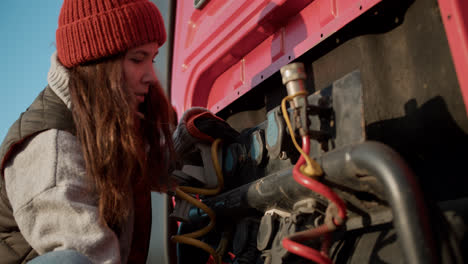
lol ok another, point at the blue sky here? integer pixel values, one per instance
(27, 30)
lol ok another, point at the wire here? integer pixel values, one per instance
(312, 169)
(182, 193)
(305, 251)
(223, 243)
(291, 243)
(197, 243)
(317, 186)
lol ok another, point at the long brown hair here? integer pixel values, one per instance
(120, 150)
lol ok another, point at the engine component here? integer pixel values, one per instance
(306, 206)
(286, 228)
(294, 79)
(257, 147)
(275, 225)
(305, 172)
(234, 156)
(266, 231)
(340, 166)
(364, 185)
(274, 133)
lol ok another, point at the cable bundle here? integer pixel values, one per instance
(304, 172)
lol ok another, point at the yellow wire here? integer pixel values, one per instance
(223, 245)
(312, 169)
(182, 191)
(182, 195)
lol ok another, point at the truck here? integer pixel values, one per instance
(377, 90)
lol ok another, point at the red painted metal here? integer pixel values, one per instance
(455, 18)
(227, 48)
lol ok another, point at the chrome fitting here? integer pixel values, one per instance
(293, 77)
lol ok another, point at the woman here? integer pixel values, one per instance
(78, 166)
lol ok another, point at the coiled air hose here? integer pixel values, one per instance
(183, 192)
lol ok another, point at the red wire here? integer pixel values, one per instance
(315, 185)
(305, 251)
(289, 243)
(310, 234)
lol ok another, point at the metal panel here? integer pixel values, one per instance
(227, 48)
(455, 18)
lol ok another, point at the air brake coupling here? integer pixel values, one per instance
(294, 76)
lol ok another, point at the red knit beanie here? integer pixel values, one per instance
(94, 29)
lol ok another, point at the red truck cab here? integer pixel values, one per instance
(386, 113)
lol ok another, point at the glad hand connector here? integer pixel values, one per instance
(294, 77)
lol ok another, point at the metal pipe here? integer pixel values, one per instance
(401, 191)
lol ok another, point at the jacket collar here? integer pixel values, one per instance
(57, 78)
